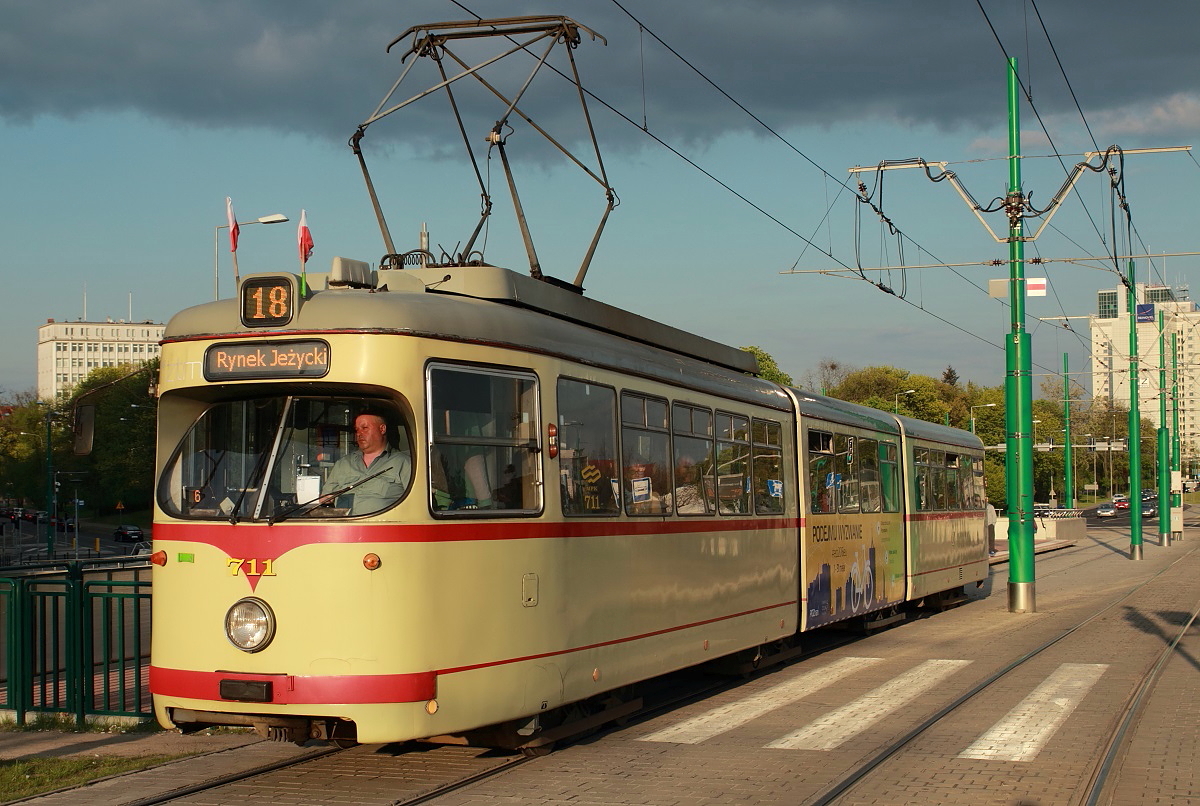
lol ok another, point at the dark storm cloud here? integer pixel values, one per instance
(317, 68)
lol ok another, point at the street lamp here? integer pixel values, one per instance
(896, 405)
(980, 406)
(274, 218)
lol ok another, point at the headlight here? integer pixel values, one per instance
(250, 625)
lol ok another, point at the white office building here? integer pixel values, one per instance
(1110, 355)
(68, 351)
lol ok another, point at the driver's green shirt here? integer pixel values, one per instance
(378, 493)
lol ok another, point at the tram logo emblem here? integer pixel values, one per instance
(590, 474)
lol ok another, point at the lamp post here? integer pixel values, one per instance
(980, 406)
(896, 404)
(274, 218)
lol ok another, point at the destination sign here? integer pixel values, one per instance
(306, 358)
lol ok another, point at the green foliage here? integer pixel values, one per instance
(768, 369)
(121, 467)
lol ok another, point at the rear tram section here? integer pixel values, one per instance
(579, 499)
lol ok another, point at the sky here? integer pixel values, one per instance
(727, 130)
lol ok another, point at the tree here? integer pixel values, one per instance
(949, 376)
(120, 468)
(768, 370)
(829, 374)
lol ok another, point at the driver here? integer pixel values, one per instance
(378, 473)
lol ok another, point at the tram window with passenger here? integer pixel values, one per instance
(645, 454)
(483, 441)
(271, 457)
(587, 438)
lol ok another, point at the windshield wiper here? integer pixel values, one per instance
(255, 473)
(310, 505)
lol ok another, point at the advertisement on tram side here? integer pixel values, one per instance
(854, 564)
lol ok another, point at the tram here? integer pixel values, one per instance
(440, 499)
(592, 499)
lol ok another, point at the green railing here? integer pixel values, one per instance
(76, 641)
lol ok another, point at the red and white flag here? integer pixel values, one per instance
(304, 237)
(234, 231)
(1035, 286)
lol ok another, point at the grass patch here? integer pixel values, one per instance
(34, 776)
(66, 723)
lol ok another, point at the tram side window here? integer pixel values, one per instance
(692, 443)
(978, 492)
(587, 438)
(953, 485)
(645, 454)
(937, 487)
(483, 426)
(923, 480)
(889, 477)
(821, 479)
(847, 473)
(867, 457)
(966, 483)
(767, 444)
(733, 464)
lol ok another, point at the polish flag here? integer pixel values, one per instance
(234, 231)
(305, 238)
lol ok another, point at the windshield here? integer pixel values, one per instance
(289, 457)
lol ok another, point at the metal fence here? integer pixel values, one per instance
(76, 639)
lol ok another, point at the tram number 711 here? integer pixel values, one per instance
(252, 567)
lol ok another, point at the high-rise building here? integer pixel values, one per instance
(68, 351)
(1110, 355)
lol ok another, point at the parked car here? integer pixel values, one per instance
(1106, 511)
(128, 533)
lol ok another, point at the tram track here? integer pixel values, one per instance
(1117, 742)
(175, 795)
(432, 771)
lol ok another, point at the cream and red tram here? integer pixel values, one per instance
(593, 499)
(545, 549)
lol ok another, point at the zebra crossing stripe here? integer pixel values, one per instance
(842, 724)
(1022, 733)
(727, 717)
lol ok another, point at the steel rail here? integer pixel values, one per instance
(832, 793)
